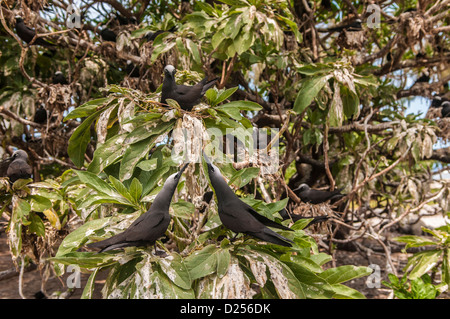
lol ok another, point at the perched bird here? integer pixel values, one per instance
(317, 219)
(121, 20)
(148, 227)
(40, 116)
(132, 70)
(108, 35)
(315, 196)
(151, 36)
(18, 167)
(239, 216)
(438, 100)
(186, 96)
(27, 34)
(59, 78)
(445, 109)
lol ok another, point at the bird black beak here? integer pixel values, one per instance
(208, 162)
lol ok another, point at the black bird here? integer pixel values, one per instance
(121, 20)
(206, 199)
(108, 35)
(241, 217)
(317, 219)
(27, 34)
(315, 196)
(40, 116)
(132, 70)
(151, 36)
(355, 25)
(186, 96)
(59, 78)
(148, 227)
(18, 167)
(445, 109)
(424, 78)
(437, 101)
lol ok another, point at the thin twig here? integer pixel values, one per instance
(326, 147)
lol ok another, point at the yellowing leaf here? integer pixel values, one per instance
(53, 218)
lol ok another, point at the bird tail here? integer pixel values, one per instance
(270, 236)
(316, 220)
(208, 84)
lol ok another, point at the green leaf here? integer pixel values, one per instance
(78, 237)
(344, 292)
(88, 290)
(202, 263)
(244, 41)
(37, 225)
(107, 153)
(313, 69)
(182, 209)
(446, 266)
(344, 273)
(223, 95)
(80, 139)
(241, 105)
(119, 187)
(309, 90)
(133, 154)
(423, 262)
(217, 39)
(86, 259)
(350, 102)
(176, 270)
(414, 241)
(223, 262)
(21, 208)
(336, 113)
(293, 26)
(96, 183)
(160, 47)
(136, 190)
(243, 176)
(40, 203)
(86, 109)
(193, 49)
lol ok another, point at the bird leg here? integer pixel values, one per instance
(234, 238)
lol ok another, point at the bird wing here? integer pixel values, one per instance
(264, 220)
(4, 164)
(28, 28)
(19, 168)
(186, 89)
